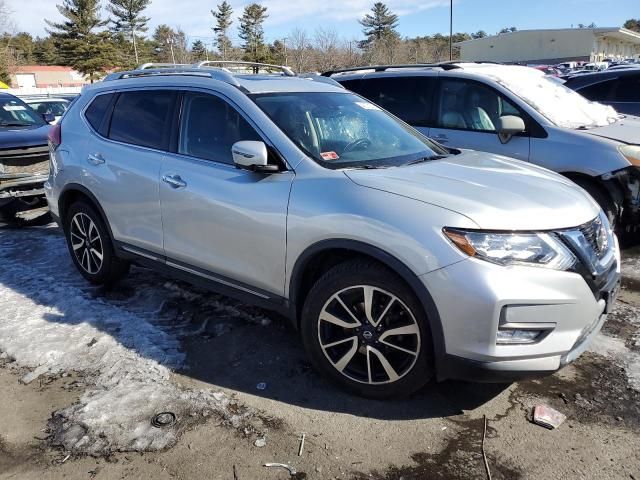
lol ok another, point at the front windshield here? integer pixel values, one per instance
(561, 105)
(15, 113)
(342, 130)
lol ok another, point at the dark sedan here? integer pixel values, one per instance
(619, 88)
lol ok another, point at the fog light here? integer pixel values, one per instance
(510, 336)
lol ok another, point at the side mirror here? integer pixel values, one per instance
(508, 126)
(252, 155)
(49, 117)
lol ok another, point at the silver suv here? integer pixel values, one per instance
(397, 259)
(518, 112)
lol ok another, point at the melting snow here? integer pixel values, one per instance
(53, 322)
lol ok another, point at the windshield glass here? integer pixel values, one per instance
(53, 108)
(15, 113)
(342, 130)
(561, 105)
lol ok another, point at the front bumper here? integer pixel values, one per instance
(472, 297)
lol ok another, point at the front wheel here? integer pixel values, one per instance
(365, 329)
(90, 246)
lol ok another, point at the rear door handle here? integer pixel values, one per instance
(174, 181)
(95, 159)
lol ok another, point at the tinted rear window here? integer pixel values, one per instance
(598, 92)
(143, 118)
(95, 112)
(628, 89)
(409, 98)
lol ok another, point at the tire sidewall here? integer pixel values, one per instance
(104, 274)
(340, 278)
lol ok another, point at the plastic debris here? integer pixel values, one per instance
(260, 442)
(301, 445)
(292, 471)
(261, 386)
(547, 417)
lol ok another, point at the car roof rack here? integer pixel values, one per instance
(382, 68)
(286, 71)
(214, 73)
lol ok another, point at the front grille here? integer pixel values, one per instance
(31, 160)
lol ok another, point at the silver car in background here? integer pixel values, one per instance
(397, 259)
(520, 113)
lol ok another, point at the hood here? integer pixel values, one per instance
(16, 137)
(495, 192)
(626, 130)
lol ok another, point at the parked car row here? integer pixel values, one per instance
(398, 258)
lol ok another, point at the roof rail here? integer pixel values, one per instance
(146, 66)
(382, 68)
(316, 77)
(215, 73)
(255, 65)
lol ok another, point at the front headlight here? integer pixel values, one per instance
(530, 249)
(631, 153)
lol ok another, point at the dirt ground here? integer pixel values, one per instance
(273, 397)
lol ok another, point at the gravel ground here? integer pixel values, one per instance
(83, 370)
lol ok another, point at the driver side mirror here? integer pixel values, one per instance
(508, 126)
(49, 117)
(252, 155)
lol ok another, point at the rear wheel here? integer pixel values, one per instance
(365, 329)
(90, 246)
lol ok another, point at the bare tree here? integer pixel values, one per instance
(300, 50)
(326, 42)
(8, 55)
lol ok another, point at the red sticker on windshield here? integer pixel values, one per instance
(329, 156)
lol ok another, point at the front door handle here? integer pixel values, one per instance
(95, 159)
(174, 181)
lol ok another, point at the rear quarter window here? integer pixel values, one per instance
(96, 110)
(143, 118)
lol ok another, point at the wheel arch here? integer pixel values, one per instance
(321, 256)
(74, 192)
(607, 187)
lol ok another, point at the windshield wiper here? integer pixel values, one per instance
(427, 159)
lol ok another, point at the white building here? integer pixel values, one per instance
(553, 46)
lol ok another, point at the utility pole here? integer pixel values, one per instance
(173, 56)
(451, 30)
(284, 43)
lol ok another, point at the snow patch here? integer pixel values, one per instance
(52, 322)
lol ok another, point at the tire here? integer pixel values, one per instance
(603, 199)
(87, 239)
(353, 356)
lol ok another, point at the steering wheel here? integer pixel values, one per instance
(359, 144)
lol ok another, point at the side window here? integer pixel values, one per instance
(210, 126)
(598, 92)
(96, 110)
(628, 89)
(143, 118)
(408, 98)
(472, 106)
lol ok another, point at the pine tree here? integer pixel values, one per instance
(79, 44)
(223, 23)
(632, 24)
(252, 32)
(128, 20)
(198, 50)
(378, 25)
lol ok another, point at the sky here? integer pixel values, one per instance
(416, 17)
